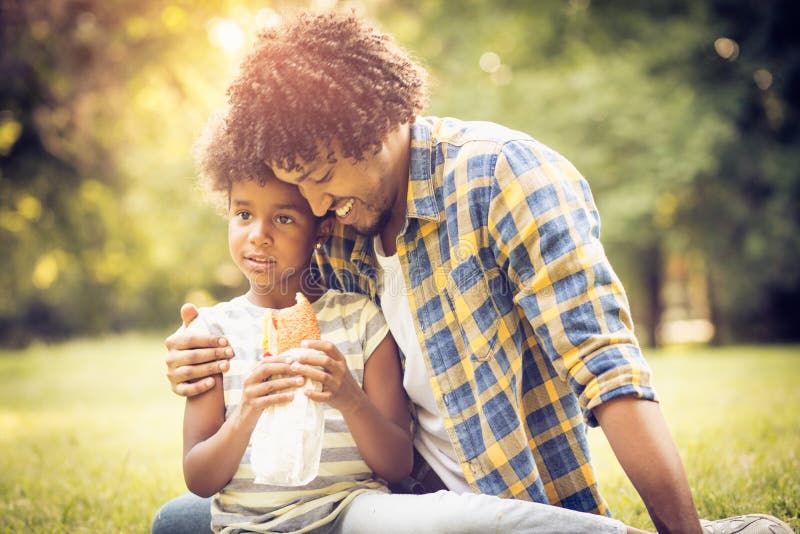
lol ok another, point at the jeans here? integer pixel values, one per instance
(443, 512)
(447, 512)
(187, 514)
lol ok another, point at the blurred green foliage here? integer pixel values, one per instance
(681, 114)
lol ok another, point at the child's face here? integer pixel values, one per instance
(271, 236)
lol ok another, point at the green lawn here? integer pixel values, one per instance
(90, 434)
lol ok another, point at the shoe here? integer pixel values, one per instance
(746, 524)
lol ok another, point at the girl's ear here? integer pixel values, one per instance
(324, 230)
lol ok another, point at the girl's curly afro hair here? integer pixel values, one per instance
(217, 164)
(317, 80)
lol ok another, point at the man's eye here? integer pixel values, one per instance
(284, 219)
(326, 178)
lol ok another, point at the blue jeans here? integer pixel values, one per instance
(442, 512)
(187, 514)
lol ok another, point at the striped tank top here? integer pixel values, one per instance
(355, 325)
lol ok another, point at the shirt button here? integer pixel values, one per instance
(440, 279)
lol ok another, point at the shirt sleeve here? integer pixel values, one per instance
(546, 234)
(373, 327)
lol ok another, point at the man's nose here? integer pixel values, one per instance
(319, 201)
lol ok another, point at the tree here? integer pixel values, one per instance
(746, 216)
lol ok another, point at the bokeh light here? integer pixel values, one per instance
(266, 18)
(226, 34)
(727, 48)
(489, 62)
(763, 79)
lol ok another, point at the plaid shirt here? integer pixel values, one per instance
(523, 324)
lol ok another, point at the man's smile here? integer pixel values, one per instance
(343, 208)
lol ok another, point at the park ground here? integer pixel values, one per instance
(90, 434)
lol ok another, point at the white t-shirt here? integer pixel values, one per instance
(431, 439)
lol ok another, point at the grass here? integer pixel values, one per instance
(90, 434)
(735, 415)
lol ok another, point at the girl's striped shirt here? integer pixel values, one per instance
(355, 325)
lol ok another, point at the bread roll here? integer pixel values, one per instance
(285, 329)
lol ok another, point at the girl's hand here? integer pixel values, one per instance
(258, 391)
(326, 365)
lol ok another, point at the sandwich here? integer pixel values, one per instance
(286, 443)
(285, 329)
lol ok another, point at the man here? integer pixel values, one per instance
(482, 248)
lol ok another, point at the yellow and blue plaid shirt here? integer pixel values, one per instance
(523, 324)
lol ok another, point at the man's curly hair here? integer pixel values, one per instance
(313, 82)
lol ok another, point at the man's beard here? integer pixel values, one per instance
(376, 227)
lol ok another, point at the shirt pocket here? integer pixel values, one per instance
(476, 315)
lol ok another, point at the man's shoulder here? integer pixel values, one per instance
(457, 132)
(458, 140)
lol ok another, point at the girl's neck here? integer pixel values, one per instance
(282, 295)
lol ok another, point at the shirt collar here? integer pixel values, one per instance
(422, 200)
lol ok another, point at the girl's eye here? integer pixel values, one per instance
(244, 215)
(284, 219)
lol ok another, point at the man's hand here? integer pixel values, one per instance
(193, 360)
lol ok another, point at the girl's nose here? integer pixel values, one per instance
(260, 234)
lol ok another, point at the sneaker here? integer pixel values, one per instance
(746, 524)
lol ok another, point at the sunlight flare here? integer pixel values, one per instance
(226, 34)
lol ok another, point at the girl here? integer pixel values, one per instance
(272, 235)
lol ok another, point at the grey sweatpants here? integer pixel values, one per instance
(447, 512)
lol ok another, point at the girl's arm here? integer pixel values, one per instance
(213, 446)
(377, 415)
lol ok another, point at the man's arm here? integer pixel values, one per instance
(546, 228)
(642, 442)
(193, 360)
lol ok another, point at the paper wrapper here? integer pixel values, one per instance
(286, 445)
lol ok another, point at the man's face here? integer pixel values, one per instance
(361, 193)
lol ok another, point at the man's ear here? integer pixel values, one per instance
(324, 229)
